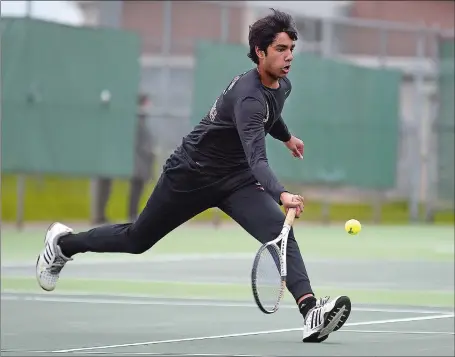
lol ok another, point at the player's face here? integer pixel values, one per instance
(277, 63)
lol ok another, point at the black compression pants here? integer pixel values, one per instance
(183, 192)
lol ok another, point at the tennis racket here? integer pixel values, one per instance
(268, 275)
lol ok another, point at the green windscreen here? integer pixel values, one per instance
(53, 120)
(347, 116)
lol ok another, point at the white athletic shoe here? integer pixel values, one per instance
(326, 317)
(51, 260)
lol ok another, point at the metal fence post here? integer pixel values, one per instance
(327, 52)
(384, 36)
(327, 38)
(378, 195)
(224, 23)
(416, 164)
(431, 182)
(1, 133)
(22, 178)
(166, 52)
(224, 36)
(20, 209)
(110, 15)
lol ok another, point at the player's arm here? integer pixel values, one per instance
(280, 131)
(249, 114)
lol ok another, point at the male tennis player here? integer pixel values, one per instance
(222, 163)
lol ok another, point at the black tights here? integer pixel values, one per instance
(175, 200)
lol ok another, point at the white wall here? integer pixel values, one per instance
(318, 9)
(66, 12)
(308, 8)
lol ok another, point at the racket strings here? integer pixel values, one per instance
(268, 277)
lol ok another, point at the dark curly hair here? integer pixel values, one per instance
(263, 32)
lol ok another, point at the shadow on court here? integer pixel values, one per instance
(43, 324)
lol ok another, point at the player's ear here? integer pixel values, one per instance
(259, 53)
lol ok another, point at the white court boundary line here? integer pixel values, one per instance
(142, 354)
(214, 337)
(138, 300)
(402, 332)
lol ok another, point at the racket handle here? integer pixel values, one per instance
(290, 217)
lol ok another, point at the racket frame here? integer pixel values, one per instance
(283, 237)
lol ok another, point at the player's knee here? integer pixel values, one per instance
(137, 242)
(136, 245)
(138, 248)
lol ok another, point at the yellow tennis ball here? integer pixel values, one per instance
(353, 226)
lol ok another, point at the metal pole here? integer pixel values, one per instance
(1, 111)
(431, 183)
(110, 15)
(28, 9)
(414, 197)
(327, 37)
(224, 22)
(21, 178)
(378, 195)
(20, 201)
(383, 47)
(224, 36)
(432, 161)
(166, 52)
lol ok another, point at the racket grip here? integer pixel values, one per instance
(290, 217)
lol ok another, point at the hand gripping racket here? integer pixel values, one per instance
(268, 276)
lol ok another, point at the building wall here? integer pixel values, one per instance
(190, 21)
(396, 42)
(430, 13)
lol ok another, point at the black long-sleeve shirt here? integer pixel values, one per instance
(232, 135)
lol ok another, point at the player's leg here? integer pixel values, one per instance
(260, 216)
(165, 210)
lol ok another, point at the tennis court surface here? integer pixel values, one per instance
(191, 296)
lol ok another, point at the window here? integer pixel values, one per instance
(171, 90)
(181, 89)
(151, 84)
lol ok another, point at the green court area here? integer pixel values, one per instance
(381, 265)
(234, 292)
(400, 281)
(419, 242)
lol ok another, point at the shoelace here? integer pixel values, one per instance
(319, 304)
(322, 301)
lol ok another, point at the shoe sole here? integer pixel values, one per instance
(334, 320)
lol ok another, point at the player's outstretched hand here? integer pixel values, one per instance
(292, 201)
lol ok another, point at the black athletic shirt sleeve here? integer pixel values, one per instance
(249, 114)
(280, 131)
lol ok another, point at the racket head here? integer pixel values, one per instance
(267, 282)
